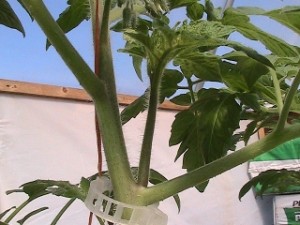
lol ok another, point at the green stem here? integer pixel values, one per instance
(190, 84)
(269, 110)
(17, 210)
(101, 90)
(145, 158)
(110, 123)
(62, 45)
(287, 103)
(169, 188)
(62, 211)
(183, 87)
(106, 68)
(277, 89)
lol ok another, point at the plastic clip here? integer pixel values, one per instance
(111, 210)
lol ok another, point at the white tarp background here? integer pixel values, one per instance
(43, 138)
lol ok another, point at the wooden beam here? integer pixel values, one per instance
(51, 91)
(261, 133)
(43, 90)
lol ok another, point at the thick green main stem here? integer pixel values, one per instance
(114, 143)
(169, 188)
(101, 90)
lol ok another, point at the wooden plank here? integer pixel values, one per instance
(261, 133)
(43, 90)
(51, 91)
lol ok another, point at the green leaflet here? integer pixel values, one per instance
(250, 53)
(183, 120)
(138, 54)
(264, 85)
(161, 41)
(243, 73)
(137, 64)
(287, 68)
(207, 29)
(73, 15)
(39, 188)
(159, 47)
(136, 107)
(43, 187)
(242, 24)
(205, 131)
(9, 18)
(288, 16)
(251, 128)
(219, 114)
(191, 161)
(179, 3)
(182, 99)
(202, 65)
(140, 45)
(208, 35)
(182, 44)
(138, 38)
(195, 11)
(169, 84)
(266, 92)
(250, 100)
(212, 13)
(80, 10)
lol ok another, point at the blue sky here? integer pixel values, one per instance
(25, 59)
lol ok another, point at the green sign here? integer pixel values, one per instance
(292, 215)
(285, 156)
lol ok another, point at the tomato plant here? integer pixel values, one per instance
(263, 89)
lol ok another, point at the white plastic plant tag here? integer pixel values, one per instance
(111, 210)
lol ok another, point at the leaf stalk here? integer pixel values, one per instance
(277, 89)
(169, 188)
(17, 210)
(145, 157)
(62, 211)
(287, 103)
